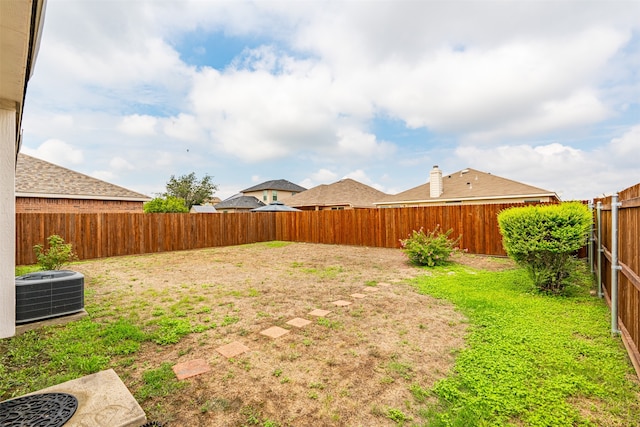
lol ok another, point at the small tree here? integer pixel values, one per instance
(542, 239)
(190, 189)
(57, 255)
(165, 205)
(431, 248)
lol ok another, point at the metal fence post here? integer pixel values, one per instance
(590, 239)
(614, 264)
(599, 249)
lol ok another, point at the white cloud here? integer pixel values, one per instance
(362, 177)
(627, 148)
(138, 125)
(57, 152)
(324, 176)
(103, 175)
(163, 159)
(183, 127)
(353, 141)
(118, 163)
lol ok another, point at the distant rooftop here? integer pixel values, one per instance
(239, 202)
(276, 184)
(38, 178)
(346, 192)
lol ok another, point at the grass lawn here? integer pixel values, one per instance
(467, 344)
(531, 359)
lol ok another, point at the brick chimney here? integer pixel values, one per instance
(435, 182)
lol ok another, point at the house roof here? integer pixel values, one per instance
(239, 202)
(346, 192)
(37, 178)
(202, 209)
(276, 184)
(469, 184)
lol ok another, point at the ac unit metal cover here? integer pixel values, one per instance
(47, 294)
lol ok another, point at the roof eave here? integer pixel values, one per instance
(82, 197)
(456, 199)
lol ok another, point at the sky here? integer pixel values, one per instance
(542, 92)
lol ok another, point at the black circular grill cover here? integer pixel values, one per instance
(38, 410)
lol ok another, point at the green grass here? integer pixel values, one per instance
(38, 359)
(25, 269)
(530, 359)
(159, 382)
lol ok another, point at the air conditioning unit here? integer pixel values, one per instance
(46, 294)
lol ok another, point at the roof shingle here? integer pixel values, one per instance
(276, 184)
(239, 202)
(38, 178)
(346, 192)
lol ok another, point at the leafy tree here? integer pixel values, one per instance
(167, 204)
(190, 189)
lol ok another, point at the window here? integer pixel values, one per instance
(264, 195)
(337, 208)
(274, 196)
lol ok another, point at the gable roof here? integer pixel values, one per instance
(469, 184)
(346, 192)
(38, 178)
(239, 202)
(276, 184)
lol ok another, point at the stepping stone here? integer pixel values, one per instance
(232, 349)
(298, 322)
(191, 368)
(358, 296)
(370, 289)
(384, 284)
(319, 313)
(274, 332)
(341, 303)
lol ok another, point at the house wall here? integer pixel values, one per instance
(471, 202)
(43, 204)
(282, 196)
(7, 221)
(328, 208)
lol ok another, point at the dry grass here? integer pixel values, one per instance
(347, 370)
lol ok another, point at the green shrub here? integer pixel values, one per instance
(56, 255)
(169, 204)
(543, 239)
(431, 248)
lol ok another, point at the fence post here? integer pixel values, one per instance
(614, 264)
(590, 239)
(599, 249)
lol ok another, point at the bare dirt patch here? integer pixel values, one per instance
(349, 368)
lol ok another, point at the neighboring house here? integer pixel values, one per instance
(44, 187)
(238, 203)
(344, 194)
(202, 209)
(468, 186)
(279, 190)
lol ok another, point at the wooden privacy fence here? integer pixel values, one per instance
(621, 270)
(98, 235)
